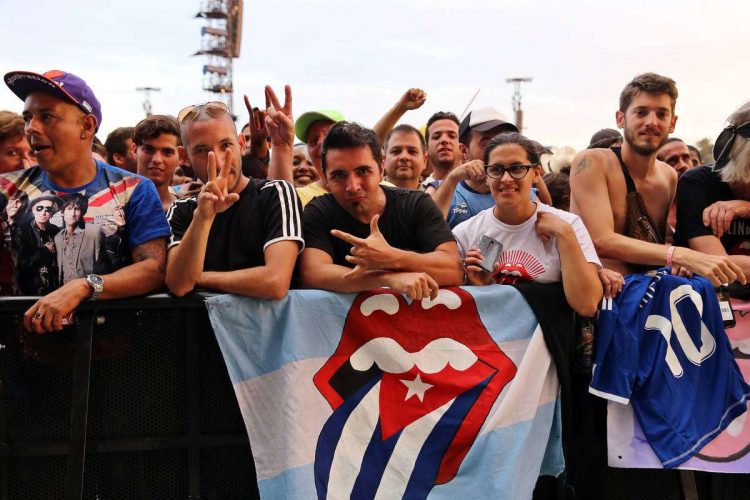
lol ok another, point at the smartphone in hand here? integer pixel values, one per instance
(490, 249)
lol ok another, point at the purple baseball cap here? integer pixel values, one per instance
(64, 85)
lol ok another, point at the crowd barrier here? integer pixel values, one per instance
(132, 401)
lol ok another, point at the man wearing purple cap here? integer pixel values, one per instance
(61, 115)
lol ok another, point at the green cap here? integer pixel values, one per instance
(305, 121)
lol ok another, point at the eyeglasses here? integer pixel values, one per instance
(495, 171)
(213, 108)
(725, 141)
(49, 210)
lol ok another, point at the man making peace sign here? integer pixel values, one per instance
(238, 235)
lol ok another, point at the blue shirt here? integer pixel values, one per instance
(122, 206)
(661, 345)
(467, 203)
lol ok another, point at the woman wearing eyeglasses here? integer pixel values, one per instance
(539, 243)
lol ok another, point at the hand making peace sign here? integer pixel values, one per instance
(215, 197)
(279, 121)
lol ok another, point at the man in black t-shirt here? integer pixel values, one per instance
(238, 235)
(363, 235)
(713, 203)
(698, 190)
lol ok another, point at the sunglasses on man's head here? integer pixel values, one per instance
(39, 208)
(725, 142)
(213, 108)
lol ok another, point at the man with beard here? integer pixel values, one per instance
(238, 235)
(623, 194)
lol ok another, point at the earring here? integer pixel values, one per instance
(83, 135)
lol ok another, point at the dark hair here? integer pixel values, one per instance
(349, 135)
(512, 138)
(440, 115)
(154, 126)
(605, 138)
(558, 185)
(75, 200)
(674, 139)
(11, 125)
(116, 143)
(406, 129)
(99, 148)
(650, 83)
(696, 151)
(23, 197)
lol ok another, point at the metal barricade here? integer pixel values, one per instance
(132, 401)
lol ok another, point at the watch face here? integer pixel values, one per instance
(95, 280)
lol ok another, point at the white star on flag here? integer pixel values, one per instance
(416, 388)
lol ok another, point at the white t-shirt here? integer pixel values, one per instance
(525, 256)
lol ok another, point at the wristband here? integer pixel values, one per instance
(670, 251)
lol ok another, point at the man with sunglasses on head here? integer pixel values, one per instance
(623, 194)
(238, 235)
(713, 202)
(61, 115)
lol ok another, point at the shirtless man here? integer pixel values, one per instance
(599, 192)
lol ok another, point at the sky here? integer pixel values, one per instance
(359, 57)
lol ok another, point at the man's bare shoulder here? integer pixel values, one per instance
(592, 160)
(666, 172)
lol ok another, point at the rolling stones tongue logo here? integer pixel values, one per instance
(734, 441)
(425, 356)
(518, 266)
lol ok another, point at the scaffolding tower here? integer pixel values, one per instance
(220, 43)
(517, 99)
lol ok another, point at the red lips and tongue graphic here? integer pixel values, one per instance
(413, 326)
(518, 266)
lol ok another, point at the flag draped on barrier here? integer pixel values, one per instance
(375, 396)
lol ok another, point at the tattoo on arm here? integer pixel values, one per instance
(582, 165)
(154, 249)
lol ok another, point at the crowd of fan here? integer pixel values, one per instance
(351, 208)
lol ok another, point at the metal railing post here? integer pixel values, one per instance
(79, 406)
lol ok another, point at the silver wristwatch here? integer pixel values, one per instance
(97, 285)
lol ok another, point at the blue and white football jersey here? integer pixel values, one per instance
(661, 345)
